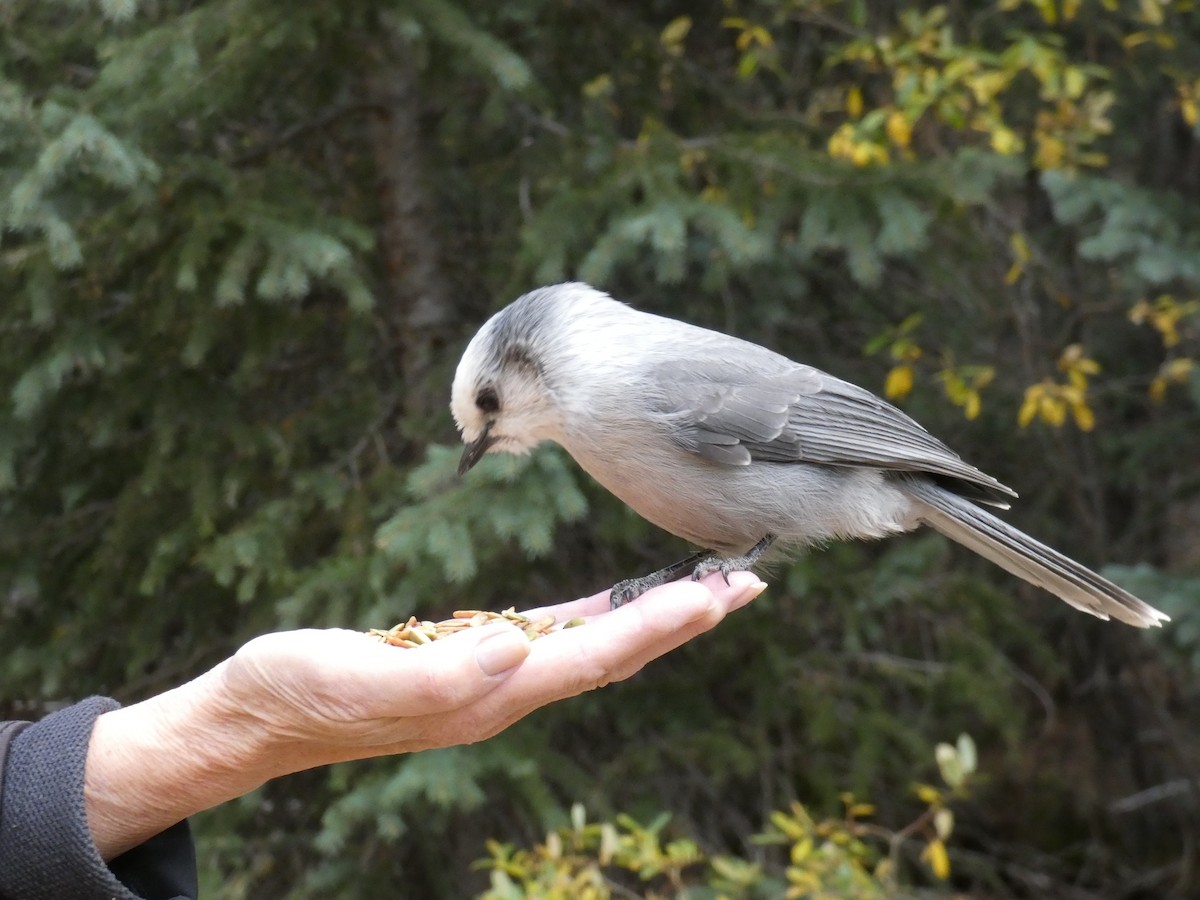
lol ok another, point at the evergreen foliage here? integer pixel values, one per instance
(229, 307)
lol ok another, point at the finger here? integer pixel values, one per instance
(600, 603)
(611, 647)
(453, 672)
(564, 612)
(615, 644)
(741, 589)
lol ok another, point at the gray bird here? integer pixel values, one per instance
(732, 446)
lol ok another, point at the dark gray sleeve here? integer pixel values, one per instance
(46, 849)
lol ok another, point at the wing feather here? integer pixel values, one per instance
(732, 414)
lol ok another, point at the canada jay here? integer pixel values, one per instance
(732, 446)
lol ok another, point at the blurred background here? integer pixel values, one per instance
(244, 242)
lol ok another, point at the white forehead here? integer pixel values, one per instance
(535, 322)
(560, 328)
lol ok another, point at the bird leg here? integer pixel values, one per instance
(632, 588)
(727, 564)
(701, 564)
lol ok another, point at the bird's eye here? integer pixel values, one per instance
(488, 400)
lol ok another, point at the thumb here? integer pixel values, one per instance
(446, 674)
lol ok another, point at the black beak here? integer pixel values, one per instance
(474, 451)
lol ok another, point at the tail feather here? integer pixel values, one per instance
(1018, 553)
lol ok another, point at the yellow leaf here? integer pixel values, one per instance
(1074, 82)
(1165, 323)
(801, 850)
(1158, 389)
(763, 36)
(1020, 247)
(899, 129)
(1178, 370)
(972, 405)
(928, 794)
(899, 383)
(1021, 255)
(1053, 410)
(1005, 141)
(1071, 393)
(956, 388)
(1085, 419)
(865, 154)
(1051, 151)
(854, 102)
(1190, 110)
(600, 86)
(861, 810)
(803, 882)
(1073, 359)
(673, 35)
(841, 142)
(1151, 11)
(939, 860)
(1030, 405)
(986, 85)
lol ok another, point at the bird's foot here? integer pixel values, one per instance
(727, 564)
(701, 564)
(632, 588)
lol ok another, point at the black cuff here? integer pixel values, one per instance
(46, 848)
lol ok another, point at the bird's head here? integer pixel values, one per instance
(504, 396)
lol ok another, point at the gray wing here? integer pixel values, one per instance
(731, 414)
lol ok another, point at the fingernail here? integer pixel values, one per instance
(501, 652)
(751, 591)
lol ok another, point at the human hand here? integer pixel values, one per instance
(327, 696)
(294, 700)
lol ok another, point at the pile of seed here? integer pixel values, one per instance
(416, 632)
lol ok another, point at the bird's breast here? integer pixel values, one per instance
(730, 508)
(673, 489)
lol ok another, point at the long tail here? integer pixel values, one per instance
(1016, 552)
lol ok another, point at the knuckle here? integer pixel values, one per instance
(589, 672)
(438, 687)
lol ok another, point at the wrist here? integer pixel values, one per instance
(157, 762)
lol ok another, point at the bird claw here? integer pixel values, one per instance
(727, 564)
(632, 588)
(724, 565)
